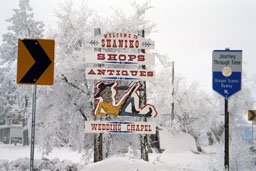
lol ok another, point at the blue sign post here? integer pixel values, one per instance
(226, 80)
(227, 71)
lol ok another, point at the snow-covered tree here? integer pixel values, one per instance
(242, 153)
(65, 105)
(22, 25)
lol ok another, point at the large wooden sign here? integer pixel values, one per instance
(120, 40)
(120, 127)
(120, 58)
(35, 64)
(119, 74)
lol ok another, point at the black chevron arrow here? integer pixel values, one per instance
(42, 61)
(253, 115)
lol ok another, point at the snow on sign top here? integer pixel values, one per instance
(227, 68)
(120, 40)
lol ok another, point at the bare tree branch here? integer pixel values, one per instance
(64, 78)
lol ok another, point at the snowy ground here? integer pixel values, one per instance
(178, 156)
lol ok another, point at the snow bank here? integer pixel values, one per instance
(23, 164)
(177, 142)
(11, 152)
(178, 155)
(126, 164)
(16, 158)
(178, 152)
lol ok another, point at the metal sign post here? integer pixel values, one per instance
(252, 133)
(226, 80)
(35, 66)
(226, 149)
(32, 145)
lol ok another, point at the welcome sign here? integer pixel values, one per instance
(120, 40)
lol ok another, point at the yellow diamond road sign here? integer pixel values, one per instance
(35, 65)
(252, 115)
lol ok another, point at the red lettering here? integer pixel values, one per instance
(135, 36)
(99, 127)
(115, 127)
(133, 127)
(106, 36)
(131, 43)
(131, 57)
(110, 72)
(141, 57)
(128, 127)
(114, 44)
(125, 73)
(94, 126)
(137, 44)
(134, 73)
(103, 127)
(125, 34)
(112, 57)
(103, 43)
(141, 127)
(142, 73)
(110, 127)
(122, 57)
(91, 72)
(150, 73)
(119, 127)
(107, 127)
(149, 128)
(137, 128)
(146, 127)
(101, 56)
(101, 72)
(120, 43)
(108, 43)
(125, 43)
(117, 72)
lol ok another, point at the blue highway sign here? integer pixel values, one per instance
(226, 71)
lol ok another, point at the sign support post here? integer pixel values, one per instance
(32, 145)
(252, 133)
(226, 150)
(144, 138)
(35, 66)
(227, 73)
(98, 138)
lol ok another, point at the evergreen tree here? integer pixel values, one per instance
(22, 26)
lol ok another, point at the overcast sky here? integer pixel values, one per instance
(187, 30)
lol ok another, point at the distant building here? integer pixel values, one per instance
(12, 131)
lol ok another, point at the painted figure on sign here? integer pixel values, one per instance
(125, 106)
